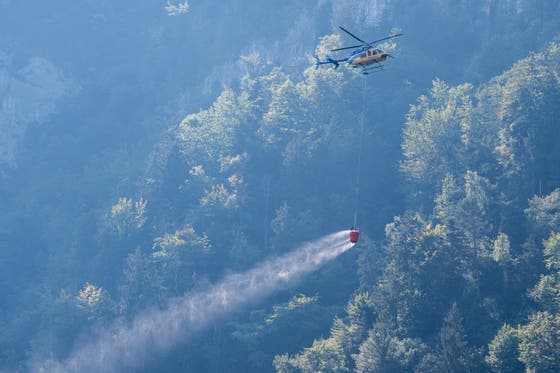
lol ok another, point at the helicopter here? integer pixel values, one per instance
(363, 55)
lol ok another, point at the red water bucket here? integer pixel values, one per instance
(354, 235)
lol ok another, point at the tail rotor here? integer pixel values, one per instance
(318, 62)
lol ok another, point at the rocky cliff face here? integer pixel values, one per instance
(28, 96)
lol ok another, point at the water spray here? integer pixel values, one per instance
(157, 331)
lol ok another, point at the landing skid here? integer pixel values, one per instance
(374, 69)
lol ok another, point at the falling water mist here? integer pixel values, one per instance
(157, 331)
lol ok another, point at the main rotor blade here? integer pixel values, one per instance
(386, 38)
(354, 36)
(341, 49)
(368, 44)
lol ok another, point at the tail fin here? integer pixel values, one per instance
(318, 62)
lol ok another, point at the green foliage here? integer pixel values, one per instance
(95, 302)
(287, 223)
(300, 314)
(482, 152)
(351, 331)
(544, 212)
(503, 351)
(538, 341)
(175, 10)
(210, 134)
(448, 132)
(333, 354)
(539, 347)
(526, 99)
(502, 254)
(360, 314)
(218, 195)
(465, 211)
(446, 202)
(475, 155)
(303, 117)
(383, 351)
(297, 302)
(243, 251)
(174, 256)
(501, 250)
(436, 133)
(127, 216)
(430, 363)
(143, 285)
(420, 265)
(301, 310)
(547, 291)
(454, 351)
(368, 263)
(324, 356)
(90, 295)
(552, 251)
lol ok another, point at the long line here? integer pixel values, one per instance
(360, 145)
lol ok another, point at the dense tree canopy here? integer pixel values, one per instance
(171, 144)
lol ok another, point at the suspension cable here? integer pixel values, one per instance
(361, 119)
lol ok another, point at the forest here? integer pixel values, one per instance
(157, 158)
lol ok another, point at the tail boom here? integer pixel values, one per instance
(328, 60)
